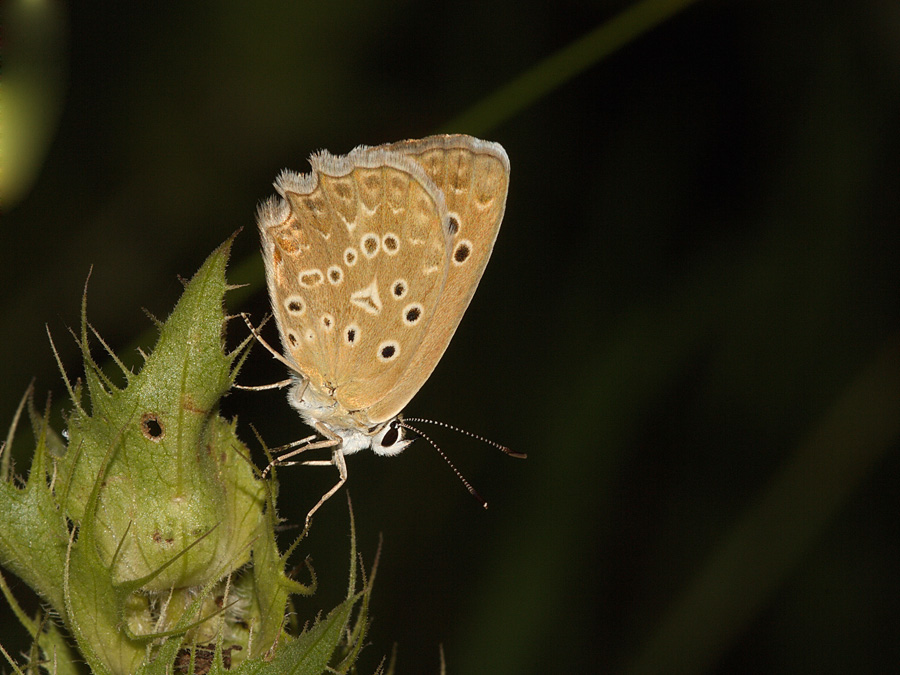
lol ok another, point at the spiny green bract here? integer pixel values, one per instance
(148, 533)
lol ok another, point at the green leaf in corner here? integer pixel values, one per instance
(311, 653)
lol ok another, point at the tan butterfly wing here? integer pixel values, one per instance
(357, 255)
(473, 176)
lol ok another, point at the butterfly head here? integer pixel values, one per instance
(385, 440)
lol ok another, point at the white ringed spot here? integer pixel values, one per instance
(388, 351)
(399, 289)
(352, 335)
(295, 305)
(335, 275)
(412, 313)
(461, 252)
(310, 278)
(369, 244)
(390, 243)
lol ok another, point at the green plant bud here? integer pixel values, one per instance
(174, 474)
(149, 533)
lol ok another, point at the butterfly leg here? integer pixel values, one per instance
(285, 452)
(340, 462)
(331, 440)
(269, 348)
(337, 460)
(264, 387)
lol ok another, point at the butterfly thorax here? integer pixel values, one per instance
(354, 428)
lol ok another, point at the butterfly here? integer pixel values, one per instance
(371, 260)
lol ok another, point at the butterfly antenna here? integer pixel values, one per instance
(459, 475)
(502, 448)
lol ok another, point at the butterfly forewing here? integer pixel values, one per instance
(357, 260)
(473, 177)
(395, 288)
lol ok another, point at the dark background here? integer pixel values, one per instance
(689, 322)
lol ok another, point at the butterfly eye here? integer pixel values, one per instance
(391, 437)
(453, 224)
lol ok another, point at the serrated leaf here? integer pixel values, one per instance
(33, 533)
(310, 653)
